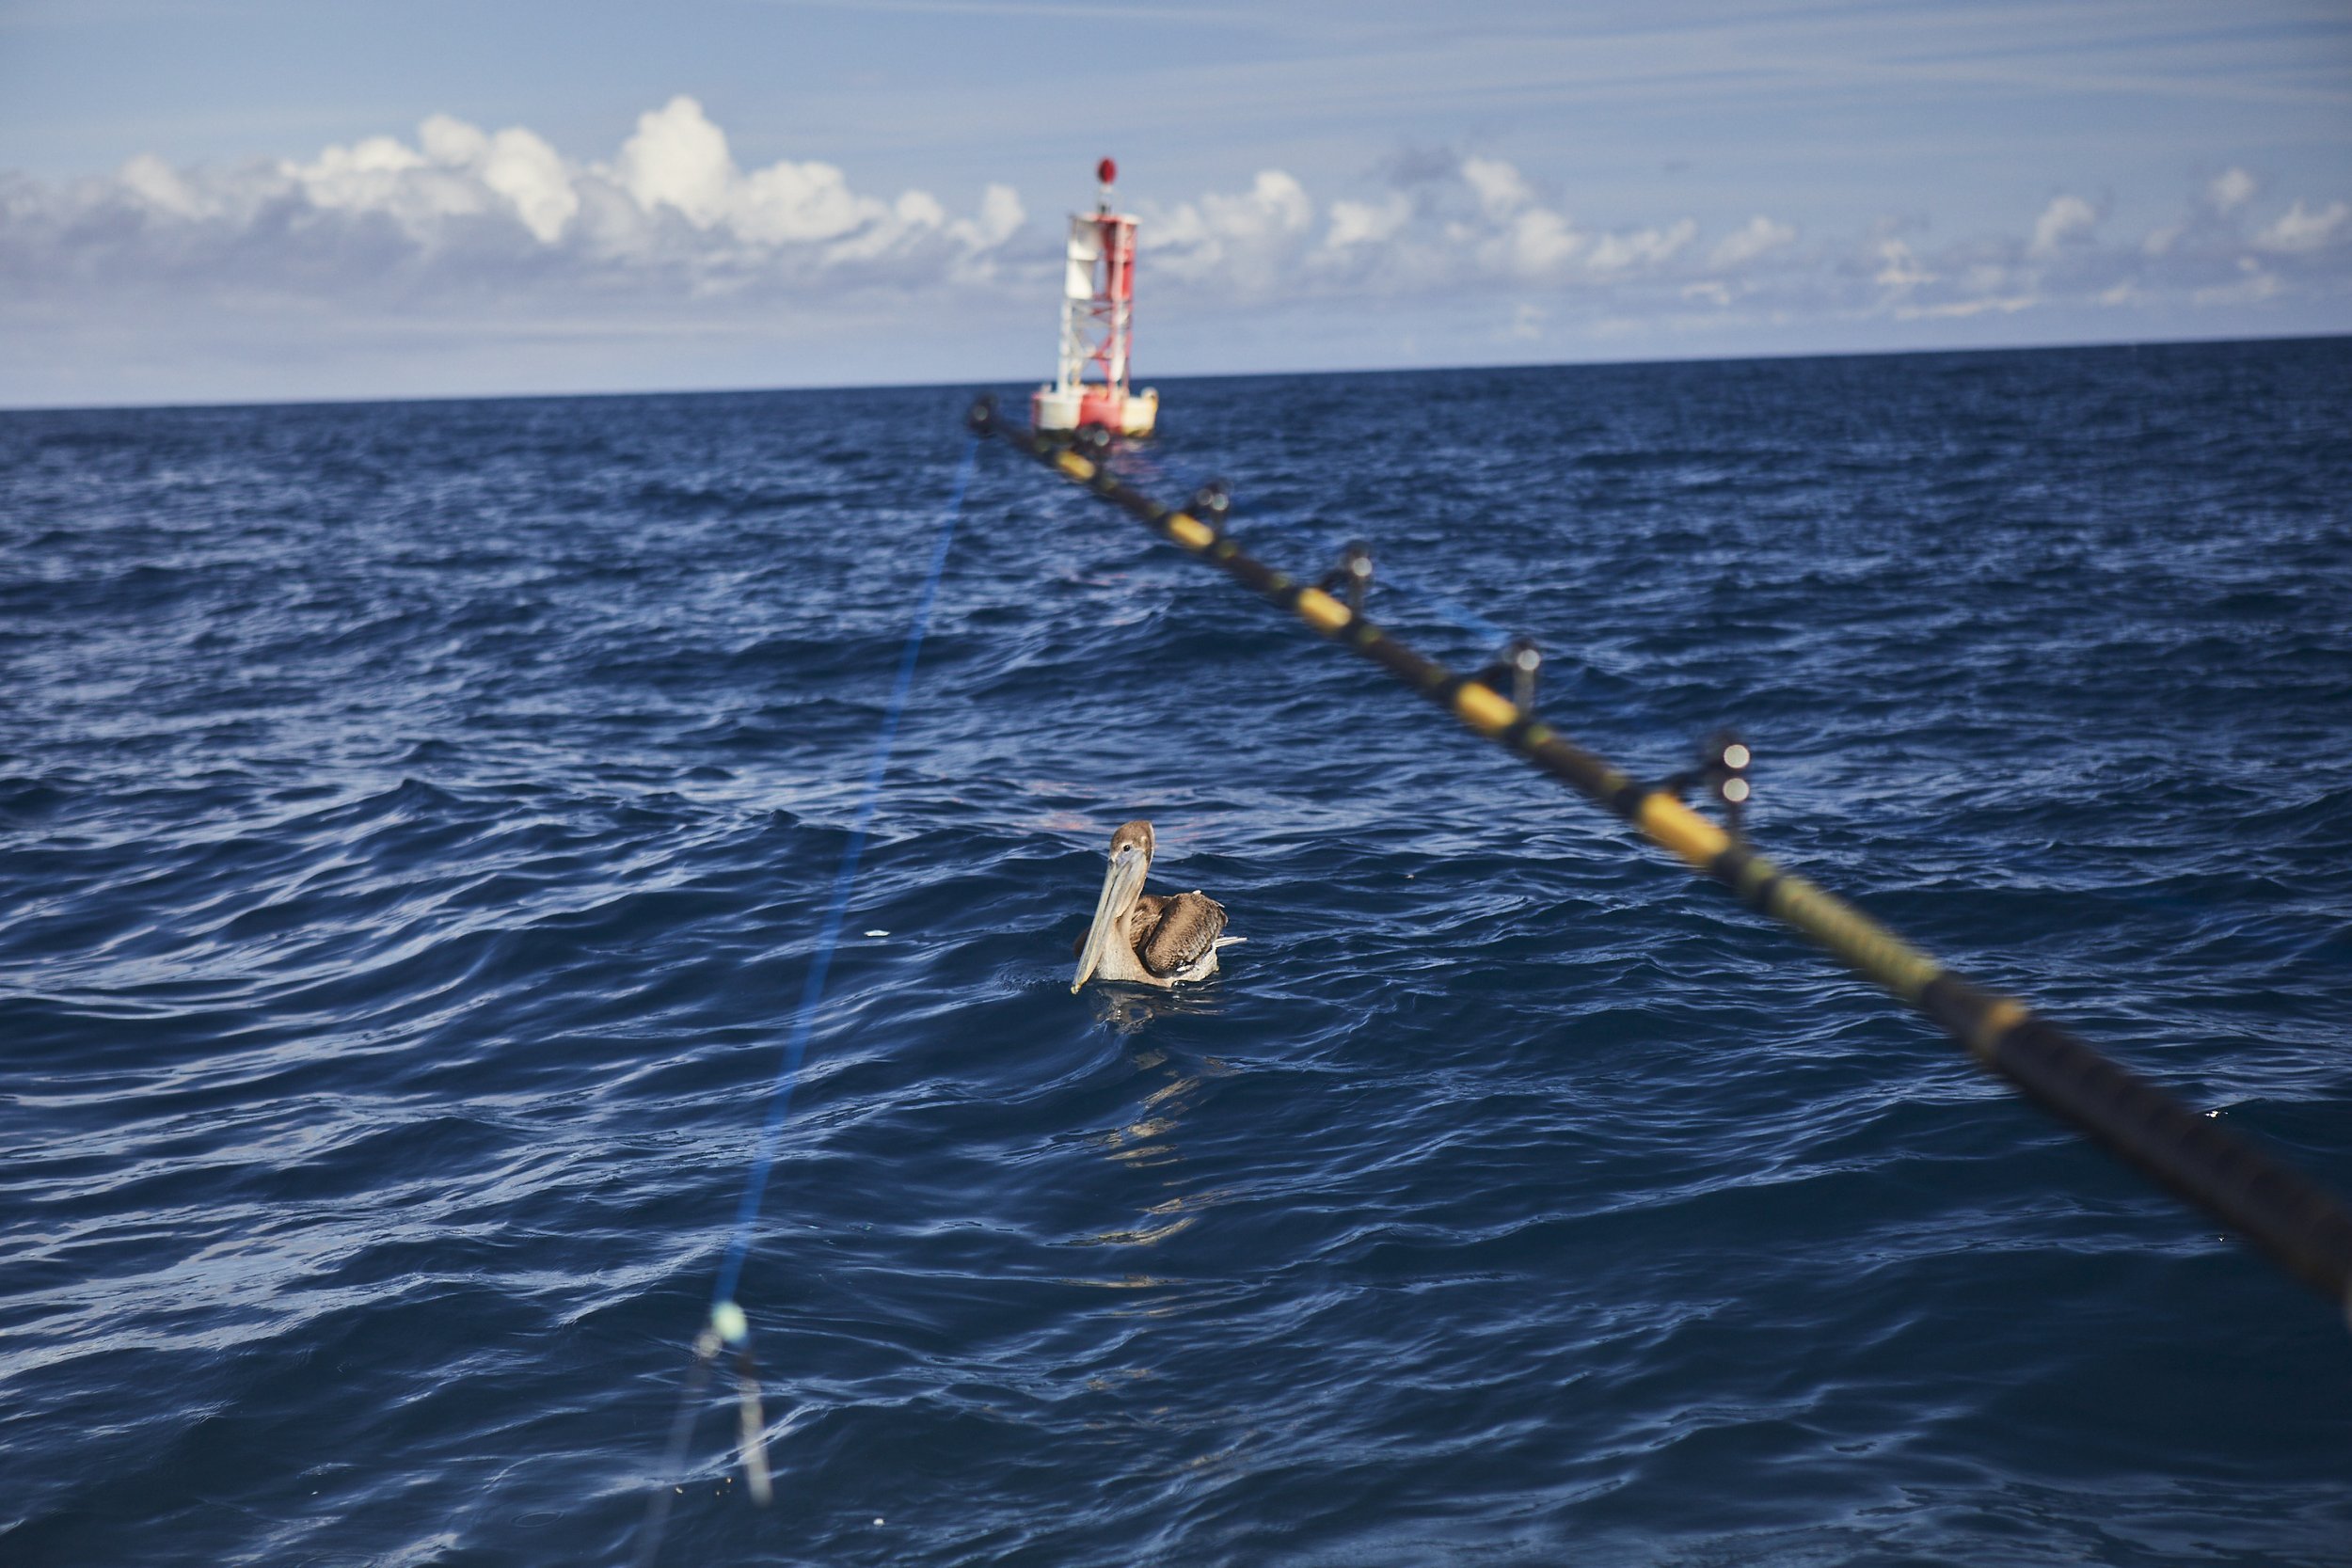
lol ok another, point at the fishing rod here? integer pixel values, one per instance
(2303, 1226)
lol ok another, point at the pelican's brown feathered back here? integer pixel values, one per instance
(1174, 934)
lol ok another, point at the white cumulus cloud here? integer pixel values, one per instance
(1534, 242)
(1501, 189)
(1247, 238)
(1641, 248)
(1900, 267)
(1755, 238)
(2065, 219)
(2230, 190)
(1001, 217)
(1512, 234)
(678, 159)
(158, 185)
(464, 211)
(2300, 228)
(1366, 222)
(1453, 223)
(514, 164)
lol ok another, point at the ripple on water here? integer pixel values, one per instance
(414, 820)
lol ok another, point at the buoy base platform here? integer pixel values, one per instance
(1054, 410)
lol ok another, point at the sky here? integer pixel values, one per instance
(239, 201)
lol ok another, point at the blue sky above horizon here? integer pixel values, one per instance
(233, 199)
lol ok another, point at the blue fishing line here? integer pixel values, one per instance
(728, 1327)
(844, 882)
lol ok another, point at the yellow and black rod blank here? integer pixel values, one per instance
(2304, 1225)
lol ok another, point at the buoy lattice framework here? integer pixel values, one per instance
(1091, 378)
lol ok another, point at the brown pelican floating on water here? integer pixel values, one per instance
(1142, 937)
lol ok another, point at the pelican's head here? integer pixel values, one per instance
(1123, 884)
(1132, 835)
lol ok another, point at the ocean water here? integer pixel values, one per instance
(416, 819)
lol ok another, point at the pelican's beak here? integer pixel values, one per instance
(1121, 885)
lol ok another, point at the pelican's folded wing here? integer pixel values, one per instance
(1187, 930)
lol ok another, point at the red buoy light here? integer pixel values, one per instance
(1106, 171)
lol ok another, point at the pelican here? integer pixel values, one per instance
(1142, 937)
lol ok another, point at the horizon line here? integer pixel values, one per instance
(987, 384)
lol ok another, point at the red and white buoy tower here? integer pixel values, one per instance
(1097, 308)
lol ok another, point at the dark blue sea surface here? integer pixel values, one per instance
(416, 821)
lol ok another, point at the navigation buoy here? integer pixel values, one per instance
(1098, 306)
